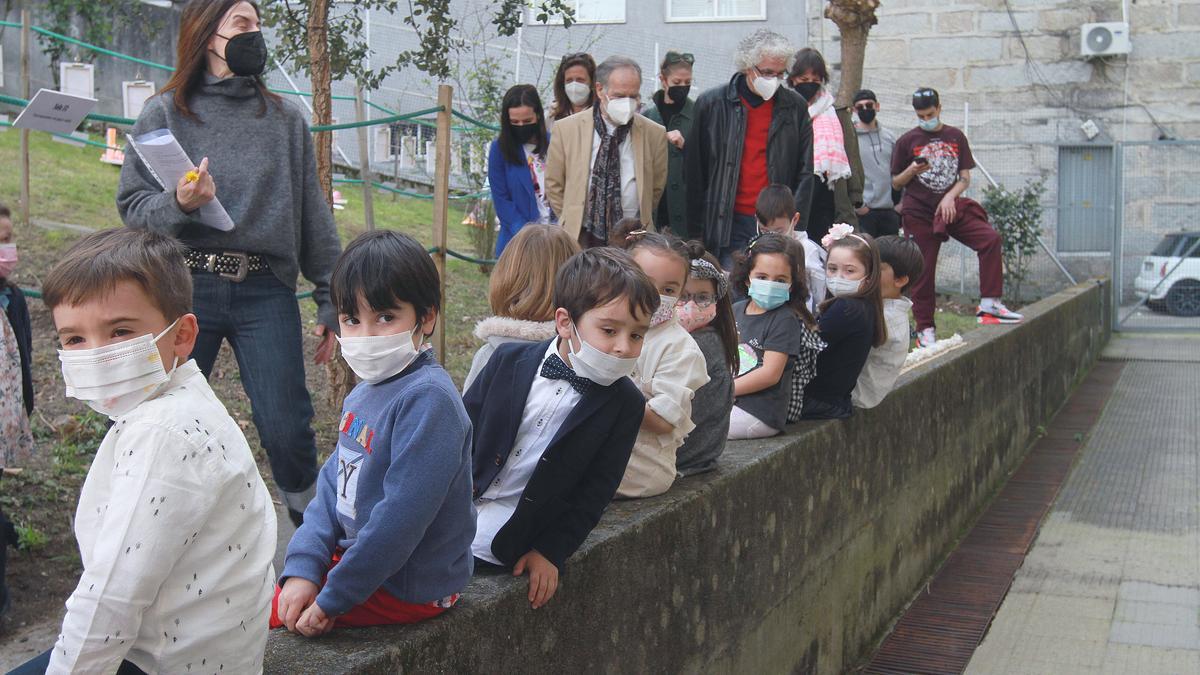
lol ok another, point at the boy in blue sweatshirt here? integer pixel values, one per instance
(555, 421)
(387, 539)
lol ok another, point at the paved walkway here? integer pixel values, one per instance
(1112, 583)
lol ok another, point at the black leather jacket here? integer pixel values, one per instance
(713, 157)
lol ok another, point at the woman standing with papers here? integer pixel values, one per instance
(255, 153)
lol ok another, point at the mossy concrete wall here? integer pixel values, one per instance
(793, 557)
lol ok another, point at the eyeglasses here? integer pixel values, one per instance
(576, 55)
(702, 300)
(677, 57)
(924, 93)
(769, 73)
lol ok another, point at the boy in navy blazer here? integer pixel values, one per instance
(555, 421)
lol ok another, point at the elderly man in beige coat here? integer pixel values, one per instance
(607, 162)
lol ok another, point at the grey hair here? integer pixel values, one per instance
(613, 63)
(762, 44)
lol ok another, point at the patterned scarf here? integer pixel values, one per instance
(604, 194)
(829, 146)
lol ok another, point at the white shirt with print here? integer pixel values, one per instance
(176, 533)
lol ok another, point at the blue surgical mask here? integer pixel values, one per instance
(929, 124)
(769, 294)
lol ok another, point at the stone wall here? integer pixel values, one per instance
(1028, 90)
(793, 556)
(971, 52)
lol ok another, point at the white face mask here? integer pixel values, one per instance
(577, 92)
(116, 378)
(376, 358)
(666, 310)
(839, 286)
(766, 86)
(620, 110)
(597, 366)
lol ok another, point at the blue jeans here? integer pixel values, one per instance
(261, 320)
(744, 229)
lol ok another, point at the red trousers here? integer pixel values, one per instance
(972, 229)
(381, 609)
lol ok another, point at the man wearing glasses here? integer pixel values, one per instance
(747, 134)
(607, 162)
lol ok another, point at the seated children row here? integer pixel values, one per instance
(861, 340)
(392, 536)
(177, 530)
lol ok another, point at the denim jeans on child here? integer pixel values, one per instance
(261, 319)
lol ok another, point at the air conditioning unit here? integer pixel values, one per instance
(1105, 39)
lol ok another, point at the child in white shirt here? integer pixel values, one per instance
(900, 264)
(670, 368)
(176, 529)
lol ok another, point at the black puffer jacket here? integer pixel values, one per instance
(713, 157)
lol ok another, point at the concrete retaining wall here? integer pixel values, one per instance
(792, 557)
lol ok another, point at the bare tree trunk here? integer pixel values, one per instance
(341, 379)
(854, 19)
(322, 83)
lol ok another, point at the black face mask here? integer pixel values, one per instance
(524, 133)
(246, 53)
(679, 93)
(865, 115)
(807, 89)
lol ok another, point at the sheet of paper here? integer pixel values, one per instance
(168, 163)
(54, 111)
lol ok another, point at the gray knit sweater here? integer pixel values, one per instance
(265, 172)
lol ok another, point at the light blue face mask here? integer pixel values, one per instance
(929, 124)
(769, 294)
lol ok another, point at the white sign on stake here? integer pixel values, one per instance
(134, 96)
(78, 79)
(54, 111)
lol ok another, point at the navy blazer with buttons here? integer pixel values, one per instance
(578, 473)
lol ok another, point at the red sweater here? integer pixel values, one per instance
(753, 176)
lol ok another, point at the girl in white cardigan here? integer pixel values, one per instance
(520, 291)
(671, 367)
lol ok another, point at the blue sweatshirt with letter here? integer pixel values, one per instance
(395, 496)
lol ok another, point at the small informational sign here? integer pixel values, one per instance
(54, 111)
(77, 79)
(134, 96)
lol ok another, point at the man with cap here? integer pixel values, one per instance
(877, 216)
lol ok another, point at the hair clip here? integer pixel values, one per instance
(703, 269)
(636, 233)
(837, 232)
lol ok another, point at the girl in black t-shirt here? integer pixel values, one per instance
(850, 323)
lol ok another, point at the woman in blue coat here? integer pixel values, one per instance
(517, 164)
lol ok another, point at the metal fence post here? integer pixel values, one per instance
(1118, 230)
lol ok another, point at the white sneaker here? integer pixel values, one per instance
(926, 338)
(995, 312)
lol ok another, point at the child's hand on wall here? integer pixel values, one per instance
(294, 598)
(543, 577)
(314, 622)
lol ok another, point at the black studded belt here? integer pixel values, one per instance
(232, 265)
